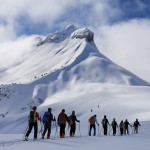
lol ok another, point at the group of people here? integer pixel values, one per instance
(47, 121)
(71, 120)
(123, 126)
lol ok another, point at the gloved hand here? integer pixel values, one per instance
(54, 119)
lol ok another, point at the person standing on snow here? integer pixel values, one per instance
(121, 127)
(92, 121)
(72, 123)
(126, 129)
(47, 120)
(114, 126)
(33, 122)
(105, 122)
(136, 124)
(62, 119)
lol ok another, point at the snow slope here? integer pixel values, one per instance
(65, 70)
(130, 142)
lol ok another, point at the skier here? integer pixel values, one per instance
(92, 121)
(47, 120)
(136, 124)
(114, 126)
(33, 122)
(62, 118)
(72, 123)
(105, 122)
(126, 129)
(121, 127)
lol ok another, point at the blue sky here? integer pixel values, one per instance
(80, 14)
(121, 27)
(83, 13)
(132, 8)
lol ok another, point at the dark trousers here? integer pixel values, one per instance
(31, 125)
(136, 129)
(114, 130)
(121, 131)
(72, 129)
(47, 126)
(105, 129)
(94, 128)
(126, 130)
(62, 129)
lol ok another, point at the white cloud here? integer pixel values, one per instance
(6, 33)
(11, 51)
(38, 11)
(128, 45)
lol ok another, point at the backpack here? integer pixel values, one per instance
(121, 124)
(47, 117)
(136, 124)
(92, 120)
(62, 118)
(32, 116)
(114, 124)
(70, 120)
(104, 122)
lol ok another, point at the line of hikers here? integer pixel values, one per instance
(124, 126)
(71, 120)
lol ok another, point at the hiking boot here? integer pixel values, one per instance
(62, 136)
(26, 138)
(42, 136)
(35, 139)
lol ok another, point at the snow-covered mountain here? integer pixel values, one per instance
(66, 70)
(70, 53)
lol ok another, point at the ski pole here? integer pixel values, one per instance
(89, 128)
(109, 130)
(25, 131)
(139, 130)
(40, 129)
(101, 130)
(118, 131)
(98, 129)
(132, 129)
(56, 133)
(68, 129)
(79, 129)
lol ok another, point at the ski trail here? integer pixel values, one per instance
(52, 140)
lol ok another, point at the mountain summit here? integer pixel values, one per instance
(69, 32)
(70, 53)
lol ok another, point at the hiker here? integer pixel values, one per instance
(47, 120)
(136, 124)
(114, 126)
(121, 127)
(105, 122)
(72, 123)
(62, 118)
(126, 129)
(92, 121)
(33, 122)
